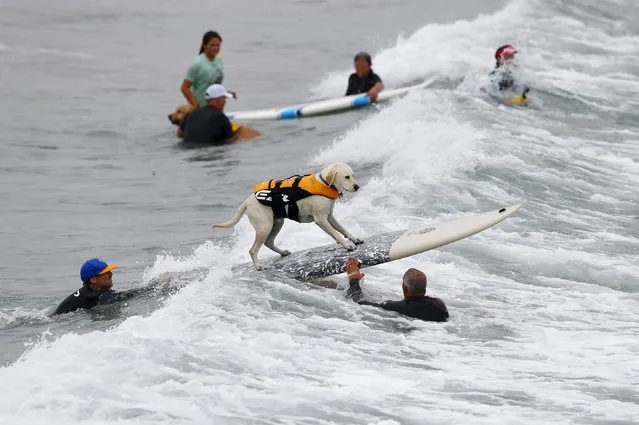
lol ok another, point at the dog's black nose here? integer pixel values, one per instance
(356, 187)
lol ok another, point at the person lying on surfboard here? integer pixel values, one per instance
(415, 303)
(364, 80)
(208, 124)
(503, 76)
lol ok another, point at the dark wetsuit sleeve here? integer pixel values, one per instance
(375, 78)
(443, 310)
(351, 88)
(354, 292)
(227, 128)
(67, 306)
(114, 297)
(82, 298)
(86, 298)
(426, 308)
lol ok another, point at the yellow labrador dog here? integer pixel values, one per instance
(240, 132)
(306, 199)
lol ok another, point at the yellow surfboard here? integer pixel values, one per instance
(517, 101)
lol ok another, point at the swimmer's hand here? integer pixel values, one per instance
(352, 269)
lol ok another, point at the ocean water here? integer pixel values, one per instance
(544, 323)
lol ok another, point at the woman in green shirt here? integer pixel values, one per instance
(206, 69)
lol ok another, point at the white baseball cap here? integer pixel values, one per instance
(216, 90)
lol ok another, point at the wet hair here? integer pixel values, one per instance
(415, 282)
(365, 56)
(207, 37)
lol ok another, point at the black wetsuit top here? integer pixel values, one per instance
(86, 297)
(206, 126)
(430, 309)
(357, 85)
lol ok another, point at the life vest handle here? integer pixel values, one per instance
(296, 183)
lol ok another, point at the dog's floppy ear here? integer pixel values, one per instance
(331, 174)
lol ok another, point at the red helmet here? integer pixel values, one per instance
(505, 52)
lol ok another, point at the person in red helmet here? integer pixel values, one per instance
(504, 54)
(502, 76)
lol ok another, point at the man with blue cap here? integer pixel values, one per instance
(96, 279)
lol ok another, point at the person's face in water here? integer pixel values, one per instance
(362, 68)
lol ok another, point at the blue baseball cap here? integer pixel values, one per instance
(94, 267)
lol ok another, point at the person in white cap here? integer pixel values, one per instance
(208, 124)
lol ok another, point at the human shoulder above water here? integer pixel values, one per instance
(416, 304)
(208, 124)
(364, 80)
(96, 276)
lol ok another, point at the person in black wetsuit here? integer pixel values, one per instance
(364, 80)
(208, 125)
(415, 303)
(96, 277)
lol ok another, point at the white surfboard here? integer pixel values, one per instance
(329, 260)
(321, 106)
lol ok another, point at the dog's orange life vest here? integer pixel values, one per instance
(282, 195)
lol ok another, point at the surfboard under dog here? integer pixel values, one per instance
(329, 260)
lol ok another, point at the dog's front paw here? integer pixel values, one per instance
(260, 267)
(357, 241)
(350, 246)
(285, 253)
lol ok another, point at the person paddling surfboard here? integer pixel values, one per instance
(364, 80)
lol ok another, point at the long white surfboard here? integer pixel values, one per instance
(320, 106)
(329, 260)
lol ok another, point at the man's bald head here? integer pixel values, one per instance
(414, 283)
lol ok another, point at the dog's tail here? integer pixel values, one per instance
(233, 221)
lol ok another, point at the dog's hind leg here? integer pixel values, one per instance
(262, 222)
(270, 240)
(260, 238)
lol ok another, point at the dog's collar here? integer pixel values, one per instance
(324, 181)
(329, 185)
